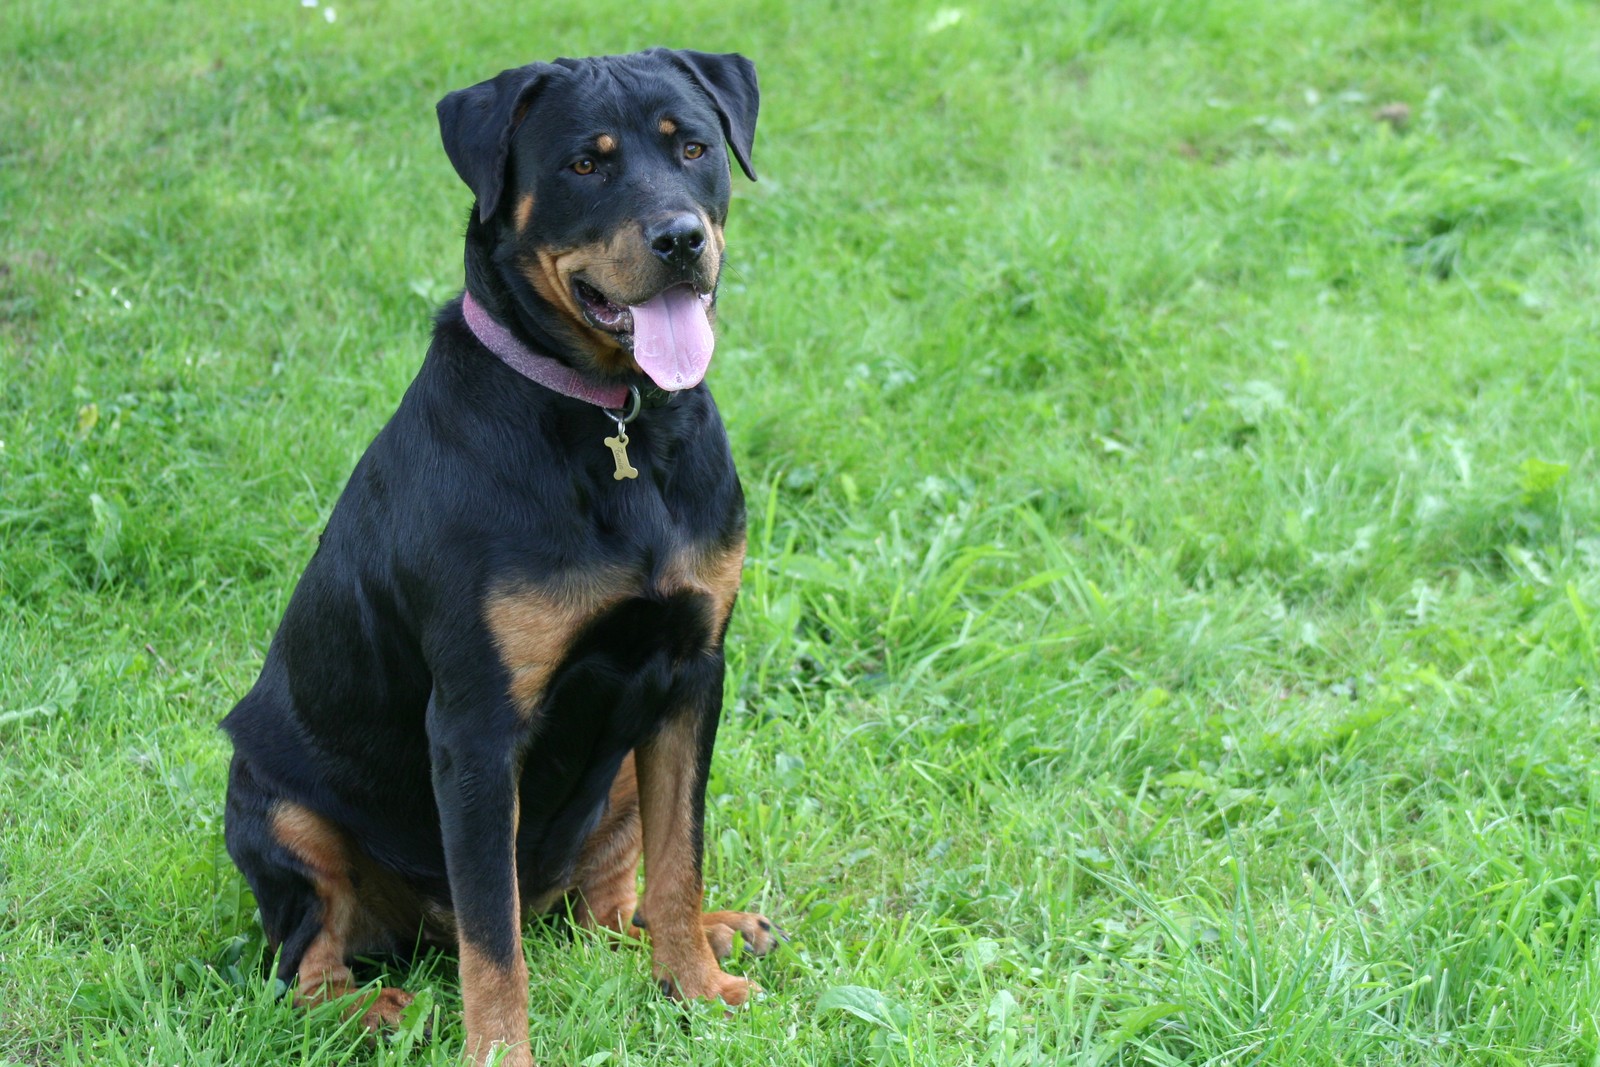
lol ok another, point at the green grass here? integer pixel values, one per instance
(1172, 626)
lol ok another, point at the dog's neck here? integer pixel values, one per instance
(487, 282)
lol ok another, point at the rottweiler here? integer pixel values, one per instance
(498, 680)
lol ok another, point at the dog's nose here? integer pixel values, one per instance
(679, 239)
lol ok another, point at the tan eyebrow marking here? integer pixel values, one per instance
(606, 143)
(668, 127)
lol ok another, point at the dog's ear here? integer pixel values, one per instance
(477, 124)
(730, 81)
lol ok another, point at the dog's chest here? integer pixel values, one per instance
(623, 612)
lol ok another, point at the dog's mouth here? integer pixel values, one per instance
(603, 313)
(669, 334)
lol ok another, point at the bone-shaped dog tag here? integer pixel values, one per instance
(619, 452)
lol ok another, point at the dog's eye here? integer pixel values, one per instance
(693, 150)
(583, 166)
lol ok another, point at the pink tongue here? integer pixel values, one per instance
(672, 338)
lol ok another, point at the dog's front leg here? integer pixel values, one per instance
(475, 767)
(672, 768)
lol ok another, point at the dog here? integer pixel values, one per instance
(499, 678)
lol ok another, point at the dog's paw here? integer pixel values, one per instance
(383, 1011)
(734, 991)
(714, 985)
(760, 935)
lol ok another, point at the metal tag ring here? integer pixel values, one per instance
(633, 410)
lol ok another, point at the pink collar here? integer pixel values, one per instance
(548, 372)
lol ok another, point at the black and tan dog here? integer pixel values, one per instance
(499, 679)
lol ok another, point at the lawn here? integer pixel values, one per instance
(1171, 633)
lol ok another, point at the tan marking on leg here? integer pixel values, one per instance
(683, 959)
(323, 975)
(524, 211)
(319, 845)
(315, 841)
(496, 1008)
(606, 143)
(532, 629)
(608, 867)
(332, 864)
(668, 127)
(494, 996)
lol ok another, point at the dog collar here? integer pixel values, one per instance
(548, 372)
(558, 377)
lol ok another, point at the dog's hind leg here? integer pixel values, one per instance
(299, 865)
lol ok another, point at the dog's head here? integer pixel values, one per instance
(603, 185)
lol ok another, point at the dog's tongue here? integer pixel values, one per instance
(672, 337)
